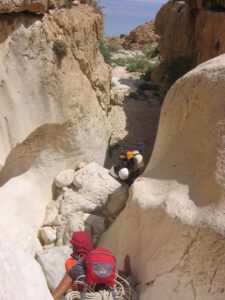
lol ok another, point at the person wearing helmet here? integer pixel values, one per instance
(123, 173)
(131, 163)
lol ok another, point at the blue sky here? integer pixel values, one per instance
(121, 16)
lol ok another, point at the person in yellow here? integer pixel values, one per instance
(132, 163)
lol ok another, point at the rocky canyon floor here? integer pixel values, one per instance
(136, 117)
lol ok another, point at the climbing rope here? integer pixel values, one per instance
(123, 291)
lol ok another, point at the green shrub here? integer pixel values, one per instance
(120, 61)
(60, 48)
(113, 46)
(105, 52)
(68, 4)
(148, 72)
(151, 52)
(97, 7)
(136, 64)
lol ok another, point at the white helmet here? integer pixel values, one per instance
(123, 173)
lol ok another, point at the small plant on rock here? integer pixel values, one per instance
(105, 52)
(151, 52)
(68, 4)
(136, 64)
(120, 61)
(60, 48)
(146, 76)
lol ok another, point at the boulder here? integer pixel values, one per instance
(143, 34)
(71, 201)
(70, 223)
(52, 262)
(51, 213)
(64, 178)
(94, 225)
(20, 275)
(48, 235)
(173, 224)
(97, 184)
(117, 201)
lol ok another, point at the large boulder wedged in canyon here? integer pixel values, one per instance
(173, 225)
(53, 109)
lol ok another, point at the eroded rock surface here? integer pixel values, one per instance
(143, 34)
(37, 6)
(21, 276)
(52, 262)
(191, 32)
(53, 110)
(173, 225)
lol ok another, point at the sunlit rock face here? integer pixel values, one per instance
(21, 276)
(37, 6)
(53, 109)
(173, 226)
(191, 32)
(191, 29)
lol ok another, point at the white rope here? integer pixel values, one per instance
(123, 291)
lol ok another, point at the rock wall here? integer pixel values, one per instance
(143, 34)
(190, 33)
(186, 30)
(53, 110)
(21, 276)
(37, 6)
(173, 226)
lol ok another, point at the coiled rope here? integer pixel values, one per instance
(123, 291)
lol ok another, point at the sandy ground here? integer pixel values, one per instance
(134, 121)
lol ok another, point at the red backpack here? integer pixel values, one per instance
(100, 265)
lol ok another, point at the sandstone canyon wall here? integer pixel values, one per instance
(53, 111)
(173, 225)
(190, 32)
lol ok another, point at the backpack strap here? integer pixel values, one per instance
(83, 295)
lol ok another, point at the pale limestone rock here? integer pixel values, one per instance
(20, 275)
(15, 228)
(71, 201)
(117, 201)
(48, 235)
(58, 122)
(80, 165)
(72, 222)
(173, 225)
(51, 213)
(97, 223)
(52, 262)
(97, 184)
(76, 2)
(64, 178)
(77, 184)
